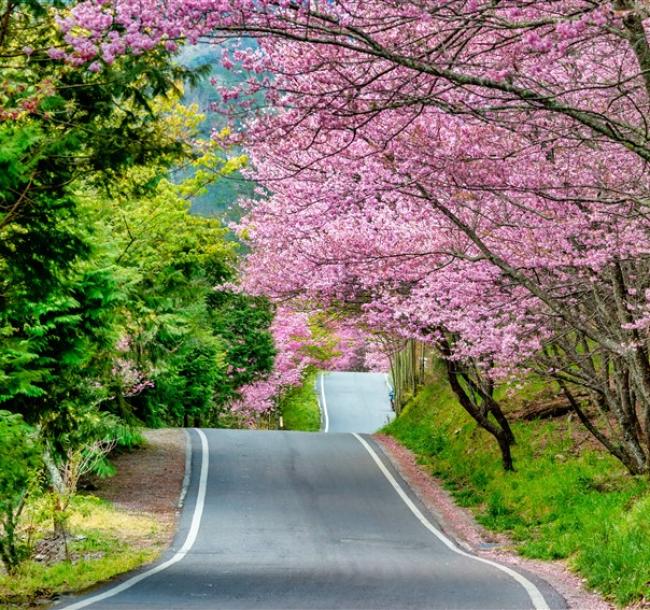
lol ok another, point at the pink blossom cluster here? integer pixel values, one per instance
(131, 379)
(444, 211)
(370, 226)
(291, 335)
(99, 30)
(376, 357)
(256, 399)
(298, 348)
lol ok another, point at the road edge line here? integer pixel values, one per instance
(536, 597)
(180, 554)
(188, 469)
(326, 418)
(390, 387)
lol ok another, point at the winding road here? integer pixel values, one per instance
(293, 520)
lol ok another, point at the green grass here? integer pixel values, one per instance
(106, 542)
(299, 406)
(560, 503)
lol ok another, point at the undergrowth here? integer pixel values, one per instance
(299, 406)
(104, 542)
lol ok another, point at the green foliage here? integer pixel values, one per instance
(19, 464)
(72, 332)
(184, 393)
(196, 346)
(97, 245)
(299, 406)
(169, 262)
(127, 437)
(60, 301)
(243, 324)
(561, 502)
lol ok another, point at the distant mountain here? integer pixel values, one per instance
(221, 198)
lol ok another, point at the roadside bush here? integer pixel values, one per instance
(20, 461)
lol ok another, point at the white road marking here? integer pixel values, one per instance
(386, 379)
(188, 468)
(184, 550)
(539, 603)
(326, 417)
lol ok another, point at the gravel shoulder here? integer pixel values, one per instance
(149, 480)
(459, 523)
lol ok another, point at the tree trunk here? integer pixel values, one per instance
(501, 431)
(506, 453)
(58, 503)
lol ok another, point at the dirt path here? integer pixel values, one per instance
(149, 479)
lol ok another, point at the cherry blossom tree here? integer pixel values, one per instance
(412, 269)
(469, 173)
(303, 340)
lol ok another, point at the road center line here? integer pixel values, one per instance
(326, 418)
(180, 554)
(539, 603)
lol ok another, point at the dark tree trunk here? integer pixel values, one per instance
(478, 404)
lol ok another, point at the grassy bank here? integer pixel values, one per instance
(126, 523)
(104, 542)
(567, 498)
(299, 406)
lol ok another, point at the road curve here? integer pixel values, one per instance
(291, 520)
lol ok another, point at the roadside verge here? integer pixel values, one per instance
(125, 522)
(459, 523)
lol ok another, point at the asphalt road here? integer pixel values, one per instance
(291, 520)
(354, 402)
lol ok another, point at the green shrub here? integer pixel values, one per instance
(20, 457)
